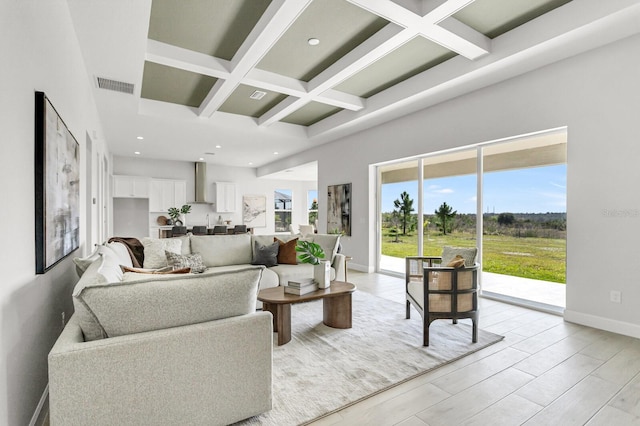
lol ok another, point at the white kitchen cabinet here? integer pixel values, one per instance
(130, 186)
(225, 197)
(167, 193)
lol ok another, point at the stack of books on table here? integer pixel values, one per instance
(300, 287)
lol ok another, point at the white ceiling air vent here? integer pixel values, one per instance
(116, 86)
(257, 95)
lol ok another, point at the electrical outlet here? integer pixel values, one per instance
(62, 319)
(615, 296)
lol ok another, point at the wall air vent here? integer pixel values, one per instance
(116, 86)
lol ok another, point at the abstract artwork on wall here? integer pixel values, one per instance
(254, 211)
(57, 189)
(339, 209)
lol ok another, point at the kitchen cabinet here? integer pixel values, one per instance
(165, 193)
(225, 197)
(130, 186)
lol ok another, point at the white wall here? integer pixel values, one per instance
(39, 53)
(246, 184)
(595, 94)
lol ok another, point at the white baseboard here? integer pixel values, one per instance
(360, 268)
(607, 324)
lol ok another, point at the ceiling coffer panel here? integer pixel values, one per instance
(412, 58)
(167, 84)
(337, 24)
(496, 17)
(311, 113)
(240, 101)
(213, 27)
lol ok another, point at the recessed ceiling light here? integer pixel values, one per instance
(276, 153)
(137, 153)
(250, 163)
(218, 146)
(201, 159)
(313, 42)
(140, 137)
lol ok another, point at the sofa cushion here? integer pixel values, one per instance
(221, 250)
(154, 251)
(163, 301)
(287, 254)
(182, 261)
(265, 255)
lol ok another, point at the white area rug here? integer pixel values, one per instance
(323, 369)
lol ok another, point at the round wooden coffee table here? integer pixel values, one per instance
(336, 302)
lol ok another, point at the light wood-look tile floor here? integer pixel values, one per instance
(545, 372)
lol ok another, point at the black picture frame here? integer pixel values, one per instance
(57, 187)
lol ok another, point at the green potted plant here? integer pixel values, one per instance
(175, 213)
(313, 254)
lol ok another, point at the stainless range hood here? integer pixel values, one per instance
(201, 184)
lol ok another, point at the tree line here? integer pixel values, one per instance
(403, 221)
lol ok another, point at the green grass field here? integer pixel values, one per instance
(536, 258)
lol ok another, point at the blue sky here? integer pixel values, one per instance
(532, 190)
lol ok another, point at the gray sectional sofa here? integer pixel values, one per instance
(170, 348)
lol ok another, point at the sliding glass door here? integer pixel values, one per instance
(507, 198)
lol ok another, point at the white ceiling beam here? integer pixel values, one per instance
(341, 99)
(177, 57)
(274, 22)
(290, 86)
(381, 43)
(454, 36)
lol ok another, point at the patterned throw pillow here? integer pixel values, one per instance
(456, 262)
(287, 252)
(467, 253)
(265, 255)
(180, 261)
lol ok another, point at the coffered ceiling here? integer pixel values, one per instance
(235, 81)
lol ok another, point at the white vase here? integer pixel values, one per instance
(322, 274)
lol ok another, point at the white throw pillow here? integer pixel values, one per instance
(122, 252)
(154, 248)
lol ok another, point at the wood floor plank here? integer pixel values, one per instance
(628, 399)
(546, 359)
(511, 410)
(609, 416)
(476, 372)
(471, 401)
(555, 382)
(576, 406)
(621, 368)
(396, 409)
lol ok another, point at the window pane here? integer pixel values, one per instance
(282, 221)
(282, 199)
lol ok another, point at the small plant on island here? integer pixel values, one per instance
(309, 252)
(174, 212)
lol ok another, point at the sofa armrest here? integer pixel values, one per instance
(339, 264)
(216, 372)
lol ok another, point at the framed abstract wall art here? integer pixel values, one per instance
(254, 211)
(57, 189)
(339, 209)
